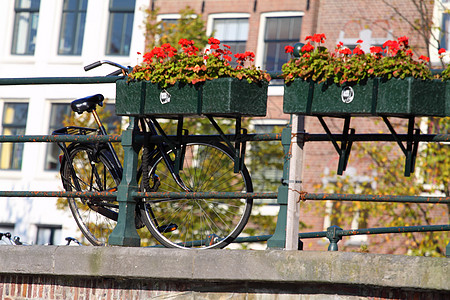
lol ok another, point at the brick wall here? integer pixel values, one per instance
(18, 287)
(330, 17)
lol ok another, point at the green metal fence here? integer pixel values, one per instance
(276, 240)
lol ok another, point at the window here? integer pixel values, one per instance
(445, 31)
(25, 27)
(279, 32)
(120, 27)
(72, 27)
(48, 234)
(232, 32)
(13, 123)
(58, 112)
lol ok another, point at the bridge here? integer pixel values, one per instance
(77, 272)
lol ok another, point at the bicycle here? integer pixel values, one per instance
(176, 223)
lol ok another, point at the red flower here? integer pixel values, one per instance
(358, 51)
(403, 40)
(424, 58)
(359, 41)
(409, 52)
(345, 51)
(288, 49)
(307, 48)
(375, 49)
(319, 38)
(442, 50)
(213, 41)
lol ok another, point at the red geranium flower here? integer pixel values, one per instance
(442, 50)
(288, 49)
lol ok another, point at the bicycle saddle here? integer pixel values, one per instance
(87, 103)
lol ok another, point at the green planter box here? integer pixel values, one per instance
(394, 97)
(447, 98)
(146, 98)
(411, 97)
(230, 97)
(311, 98)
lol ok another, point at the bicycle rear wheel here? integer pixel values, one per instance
(91, 170)
(202, 223)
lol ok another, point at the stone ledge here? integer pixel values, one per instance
(269, 266)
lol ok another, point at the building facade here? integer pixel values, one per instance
(56, 38)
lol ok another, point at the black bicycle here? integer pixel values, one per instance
(204, 166)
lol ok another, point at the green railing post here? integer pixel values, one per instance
(447, 250)
(333, 237)
(278, 240)
(125, 234)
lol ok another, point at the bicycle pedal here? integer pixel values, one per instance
(167, 228)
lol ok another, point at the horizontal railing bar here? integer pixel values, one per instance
(225, 195)
(401, 229)
(59, 138)
(59, 80)
(199, 138)
(375, 198)
(72, 194)
(194, 195)
(341, 233)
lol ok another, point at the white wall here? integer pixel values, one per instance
(26, 213)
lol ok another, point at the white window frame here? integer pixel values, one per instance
(439, 10)
(273, 90)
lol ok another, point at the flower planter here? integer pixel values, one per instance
(411, 97)
(146, 98)
(226, 97)
(231, 97)
(395, 97)
(311, 98)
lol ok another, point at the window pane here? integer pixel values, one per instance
(25, 27)
(72, 27)
(124, 5)
(232, 32)
(120, 27)
(13, 123)
(48, 235)
(280, 31)
(28, 4)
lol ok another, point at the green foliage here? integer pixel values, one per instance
(321, 65)
(166, 65)
(387, 163)
(189, 26)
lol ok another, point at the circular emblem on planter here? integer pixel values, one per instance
(164, 97)
(347, 94)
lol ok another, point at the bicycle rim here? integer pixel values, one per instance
(91, 175)
(199, 223)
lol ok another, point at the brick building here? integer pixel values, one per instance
(265, 27)
(41, 44)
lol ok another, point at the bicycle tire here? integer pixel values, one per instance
(201, 223)
(94, 171)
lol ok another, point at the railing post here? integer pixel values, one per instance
(125, 234)
(333, 237)
(447, 250)
(278, 240)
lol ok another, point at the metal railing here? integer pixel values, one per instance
(276, 240)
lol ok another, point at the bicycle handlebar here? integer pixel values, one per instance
(101, 62)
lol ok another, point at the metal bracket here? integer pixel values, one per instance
(239, 145)
(346, 143)
(412, 144)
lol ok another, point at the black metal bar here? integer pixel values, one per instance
(330, 135)
(395, 135)
(59, 80)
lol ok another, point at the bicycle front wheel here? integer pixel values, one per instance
(91, 170)
(202, 223)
